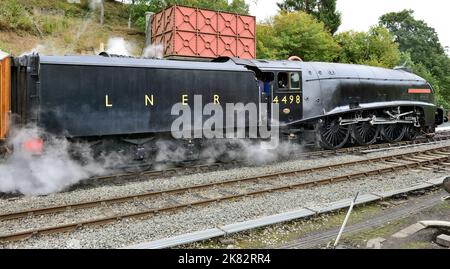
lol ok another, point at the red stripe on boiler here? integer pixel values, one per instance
(419, 91)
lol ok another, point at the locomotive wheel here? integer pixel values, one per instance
(365, 133)
(411, 133)
(393, 133)
(332, 135)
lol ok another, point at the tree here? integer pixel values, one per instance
(295, 33)
(131, 10)
(323, 10)
(308, 6)
(421, 43)
(414, 36)
(375, 47)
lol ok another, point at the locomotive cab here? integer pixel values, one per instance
(282, 87)
(288, 95)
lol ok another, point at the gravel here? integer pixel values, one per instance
(129, 231)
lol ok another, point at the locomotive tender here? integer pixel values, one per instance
(113, 100)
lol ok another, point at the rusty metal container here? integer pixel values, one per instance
(5, 96)
(193, 32)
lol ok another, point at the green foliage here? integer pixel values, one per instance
(414, 36)
(13, 16)
(53, 24)
(375, 48)
(70, 10)
(296, 33)
(323, 10)
(420, 44)
(141, 6)
(19, 14)
(422, 71)
(308, 6)
(265, 41)
(3, 47)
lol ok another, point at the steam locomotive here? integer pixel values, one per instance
(109, 100)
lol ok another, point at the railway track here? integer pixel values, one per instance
(143, 175)
(210, 193)
(321, 238)
(200, 168)
(441, 136)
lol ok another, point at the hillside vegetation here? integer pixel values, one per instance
(60, 27)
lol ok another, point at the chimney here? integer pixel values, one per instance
(148, 28)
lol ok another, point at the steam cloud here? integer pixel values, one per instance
(118, 45)
(38, 49)
(56, 169)
(253, 152)
(3, 54)
(154, 51)
(53, 171)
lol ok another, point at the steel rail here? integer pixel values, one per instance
(205, 167)
(123, 199)
(320, 153)
(145, 213)
(444, 136)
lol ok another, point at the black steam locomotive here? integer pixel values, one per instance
(111, 100)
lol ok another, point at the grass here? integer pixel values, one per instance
(444, 205)
(63, 28)
(416, 245)
(287, 232)
(361, 238)
(52, 25)
(387, 230)
(14, 16)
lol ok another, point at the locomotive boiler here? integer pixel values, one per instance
(121, 100)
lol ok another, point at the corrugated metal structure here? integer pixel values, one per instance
(5, 96)
(194, 32)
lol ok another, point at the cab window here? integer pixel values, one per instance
(289, 81)
(283, 81)
(295, 81)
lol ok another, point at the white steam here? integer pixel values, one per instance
(118, 45)
(154, 51)
(3, 54)
(253, 152)
(53, 171)
(38, 49)
(56, 169)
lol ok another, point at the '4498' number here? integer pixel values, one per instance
(287, 99)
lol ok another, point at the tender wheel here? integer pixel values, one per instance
(137, 168)
(332, 135)
(365, 133)
(393, 132)
(411, 133)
